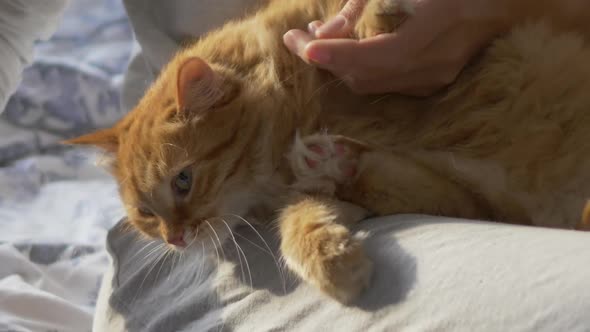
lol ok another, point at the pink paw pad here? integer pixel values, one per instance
(319, 151)
(338, 151)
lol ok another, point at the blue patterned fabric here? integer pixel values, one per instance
(55, 204)
(71, 88)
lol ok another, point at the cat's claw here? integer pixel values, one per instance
(320, 162)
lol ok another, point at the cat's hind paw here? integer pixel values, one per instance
(382, 16)
(320, 162)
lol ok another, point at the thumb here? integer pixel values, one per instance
(342, 25)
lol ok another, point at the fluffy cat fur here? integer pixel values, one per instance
(260, 131)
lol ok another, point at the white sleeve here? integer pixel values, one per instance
(22, 22)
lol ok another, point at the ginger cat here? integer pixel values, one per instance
(233, 128)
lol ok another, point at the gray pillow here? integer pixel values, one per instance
(432, 274)
(160, 28)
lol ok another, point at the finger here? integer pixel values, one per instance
(414, 35)
(313, 27)
(336, 27)
(296, 41)
(353, 9)
(342, 24)
(400, 51)
(330, 53)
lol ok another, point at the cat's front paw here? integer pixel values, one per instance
(321, 162)
(382, 16)
(335, 263)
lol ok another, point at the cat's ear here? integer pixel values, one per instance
(198, 86)
(106, 139)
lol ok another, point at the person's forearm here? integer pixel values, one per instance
(23, 22)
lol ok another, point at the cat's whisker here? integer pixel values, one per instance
(292, 76)
(240, 251)
(311, 97)
(253, 228)
(279, 268)
(341, 82)
(218, 239)
(142, 249)
(376, 101)
(252, 243)
(154, 263)
(255, 231)
(174, 262)
(154, 250)
(167, 252)
(148, 261)
(203, 257)
(181, 255)
(290, 278)
(236, 245)
(216, 251)
(193, 240)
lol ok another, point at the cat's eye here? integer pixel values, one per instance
(145, 212)
(183, 182)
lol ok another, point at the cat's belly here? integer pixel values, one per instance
(507, 193)
(512, 201)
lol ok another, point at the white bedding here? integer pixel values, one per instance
(55, 205)
(56, 208)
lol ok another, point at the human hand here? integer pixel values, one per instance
(424, 54)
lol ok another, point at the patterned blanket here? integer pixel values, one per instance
(55, 205)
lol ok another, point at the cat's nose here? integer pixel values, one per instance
(176, 240)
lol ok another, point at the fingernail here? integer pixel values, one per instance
(331, 26)
(295, 41)
(318, 55)
(290, 41)
(314, 26)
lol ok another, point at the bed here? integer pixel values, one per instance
(55, 204)
(67, 263)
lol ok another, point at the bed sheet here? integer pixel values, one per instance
(56, 206)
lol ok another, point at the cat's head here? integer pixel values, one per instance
(185, 157)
